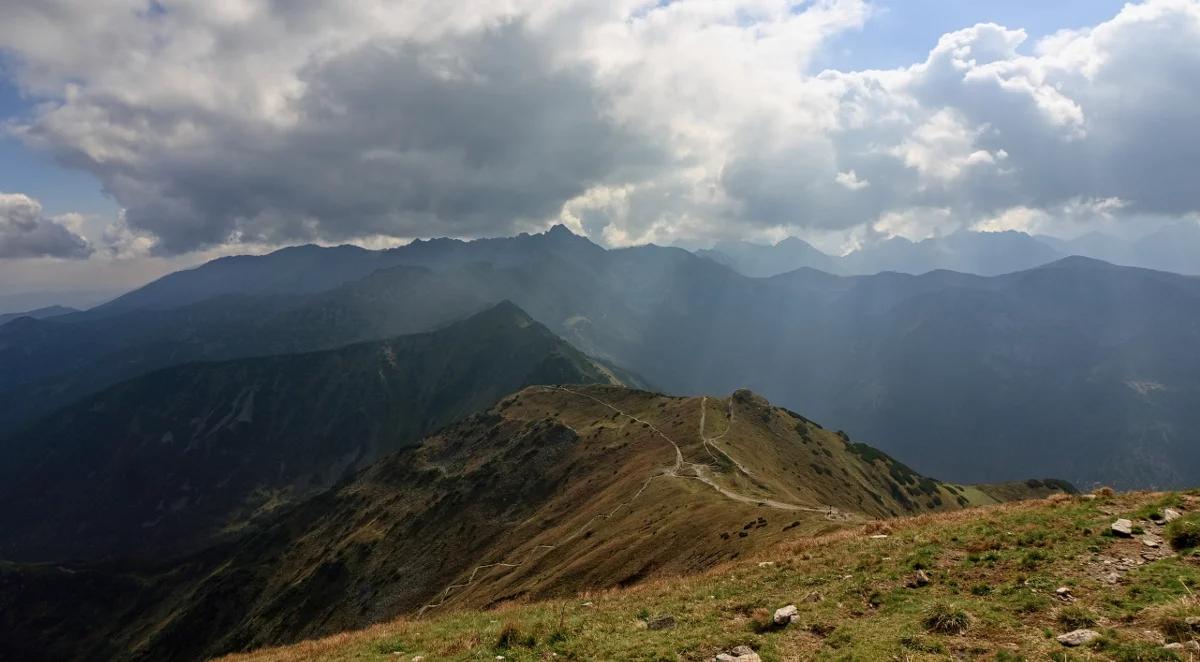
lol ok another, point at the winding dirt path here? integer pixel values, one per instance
(700, 472)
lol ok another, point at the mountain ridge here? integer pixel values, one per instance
(556, 489)
(196, 452)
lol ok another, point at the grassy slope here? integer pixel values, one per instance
(1001, 565)
(552, 492)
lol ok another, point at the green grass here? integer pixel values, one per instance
(986, 600)
(1184, 533)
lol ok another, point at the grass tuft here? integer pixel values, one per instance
(1074, 618)
(945, 618)
(1184, 533)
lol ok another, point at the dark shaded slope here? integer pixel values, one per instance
(180, 456)
(553, 491)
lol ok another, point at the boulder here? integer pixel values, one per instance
(1078, 637)
(1123, 527)
(664, 622)
(784, 615)
(739, 654)
(919, 578)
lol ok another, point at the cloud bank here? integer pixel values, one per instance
(25, 232)
(261, 121)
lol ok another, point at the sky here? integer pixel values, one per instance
(142, 137)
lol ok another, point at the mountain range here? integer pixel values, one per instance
(184, 456)
(1174, 248)
(554, 490)
(39, 313)
(1079, 368)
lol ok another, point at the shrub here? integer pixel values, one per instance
(511, 636)
(944, 618)
(1074, 618)
(1184, 533)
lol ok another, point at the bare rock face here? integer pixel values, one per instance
(1078, 637)
(1123, 528)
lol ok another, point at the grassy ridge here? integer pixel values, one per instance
(993, 575)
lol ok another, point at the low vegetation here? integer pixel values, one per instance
(1003, 583)
(1184, 533)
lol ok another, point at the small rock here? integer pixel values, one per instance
(784, 615)
(1193, 622)
(1170, 514)
(1064, 594)
(1191, 646)
(1087, 497)
(664, 622)
(1113, 578)
(1123, 527)
(879, 536)
(1078, 637)
(766, 564)
(919, 578)
(1153, 542)
(739, 654)
(813, 596)
(418, 658)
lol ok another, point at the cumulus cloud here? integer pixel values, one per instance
(249, 121)
(25, 232)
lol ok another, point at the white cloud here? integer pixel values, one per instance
(263, 123)
(25, 232)
(915, 224)
(850, 180)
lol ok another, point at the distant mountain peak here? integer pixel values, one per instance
(1077, 262)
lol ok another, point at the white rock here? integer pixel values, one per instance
(1170, 514)
(766, 564)
(1123, 528)
(784, 615)
(739, 654)
(1078, 637)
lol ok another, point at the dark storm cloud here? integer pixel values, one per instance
(470, 136)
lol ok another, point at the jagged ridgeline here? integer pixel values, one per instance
(181, 457)
(552, 491)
